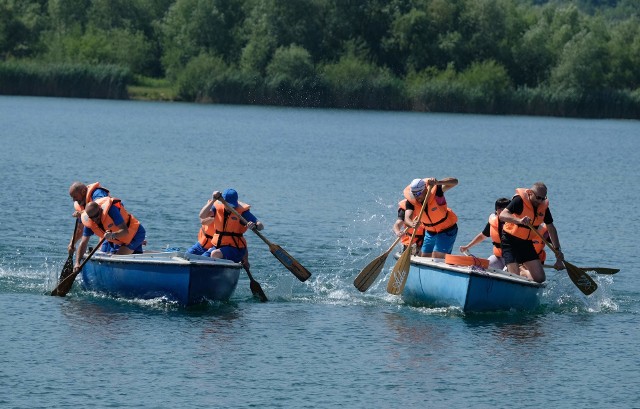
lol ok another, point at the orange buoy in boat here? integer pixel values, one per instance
(466, 261)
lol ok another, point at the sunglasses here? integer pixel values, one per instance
(540, 198)
(416, 194)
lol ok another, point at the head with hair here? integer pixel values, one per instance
(78, 192)
(93, 210)
(539, 191)
(417, 187)
(502, 203)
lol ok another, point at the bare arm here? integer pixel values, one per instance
(258, 225)
(408, 218)
(397, 227)
(81, 250)
(122, 231)
(206, 215)
(508, 217)
(479, 237)
(448, 183)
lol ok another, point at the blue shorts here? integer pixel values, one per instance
(229, 253)
(197, 249)
(440, 242)
(135, 244)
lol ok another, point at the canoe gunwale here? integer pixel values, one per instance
(474, 270)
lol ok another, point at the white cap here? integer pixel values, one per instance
(417, 186)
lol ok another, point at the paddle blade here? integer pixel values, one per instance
(289, 262)
(581, 279)
(369, 274)
(256, 290)
(67, 277)
(399, 274)
(601, 270)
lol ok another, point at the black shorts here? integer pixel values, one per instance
(515, 250)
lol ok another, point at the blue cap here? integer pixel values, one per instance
(231, 196)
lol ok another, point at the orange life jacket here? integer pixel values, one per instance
(406, 237)
(436, 218)
(228, 228)
(494, 233)
(107, 223)
(205, 234)
(90, 189)
(521, 231)
(538, 243)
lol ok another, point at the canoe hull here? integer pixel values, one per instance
(184, 278)
(431, 282)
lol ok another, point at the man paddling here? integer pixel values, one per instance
(438, 219)
(227, 239)
(108, 218)
(528, 207)
(82, 194)
(492, 229)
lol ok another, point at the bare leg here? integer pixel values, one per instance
(437, 254)
(536, 272)
(217, 254)
(513, 268)
(124, 250)
(522, 270)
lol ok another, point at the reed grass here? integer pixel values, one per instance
(64, 80)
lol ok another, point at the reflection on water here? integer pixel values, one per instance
(520, 328)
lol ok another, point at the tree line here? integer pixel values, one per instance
(562, 57)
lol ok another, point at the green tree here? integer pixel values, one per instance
(192, 27)
(583, 64)
(624, 46)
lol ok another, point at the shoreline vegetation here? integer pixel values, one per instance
(511, 57)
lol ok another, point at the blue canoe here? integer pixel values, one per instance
(185, 278)
(432, 282)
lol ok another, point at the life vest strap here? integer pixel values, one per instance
(205, 233)
(438, 222)
(223, 233)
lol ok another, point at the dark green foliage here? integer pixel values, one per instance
(64, 80)
(552, 57)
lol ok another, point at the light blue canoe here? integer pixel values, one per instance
(432, 282)
(185, 278)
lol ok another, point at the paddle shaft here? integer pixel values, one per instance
(68, 265)
(368, 275)
(73, 238)
(73, 275)
(283, 257)
(234, 211)
(580, 278)
(533, 229)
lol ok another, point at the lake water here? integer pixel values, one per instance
(326, 185)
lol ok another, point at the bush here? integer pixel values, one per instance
(355, 83)
(292, 80)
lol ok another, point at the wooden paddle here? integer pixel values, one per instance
(68, 265)
(283, 257)
(599, 270)
(401, 270)
(579, 277)
(369, 274)
(256, 289)
(65, 285)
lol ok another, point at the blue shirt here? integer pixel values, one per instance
(98, 193)
(114, 213)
